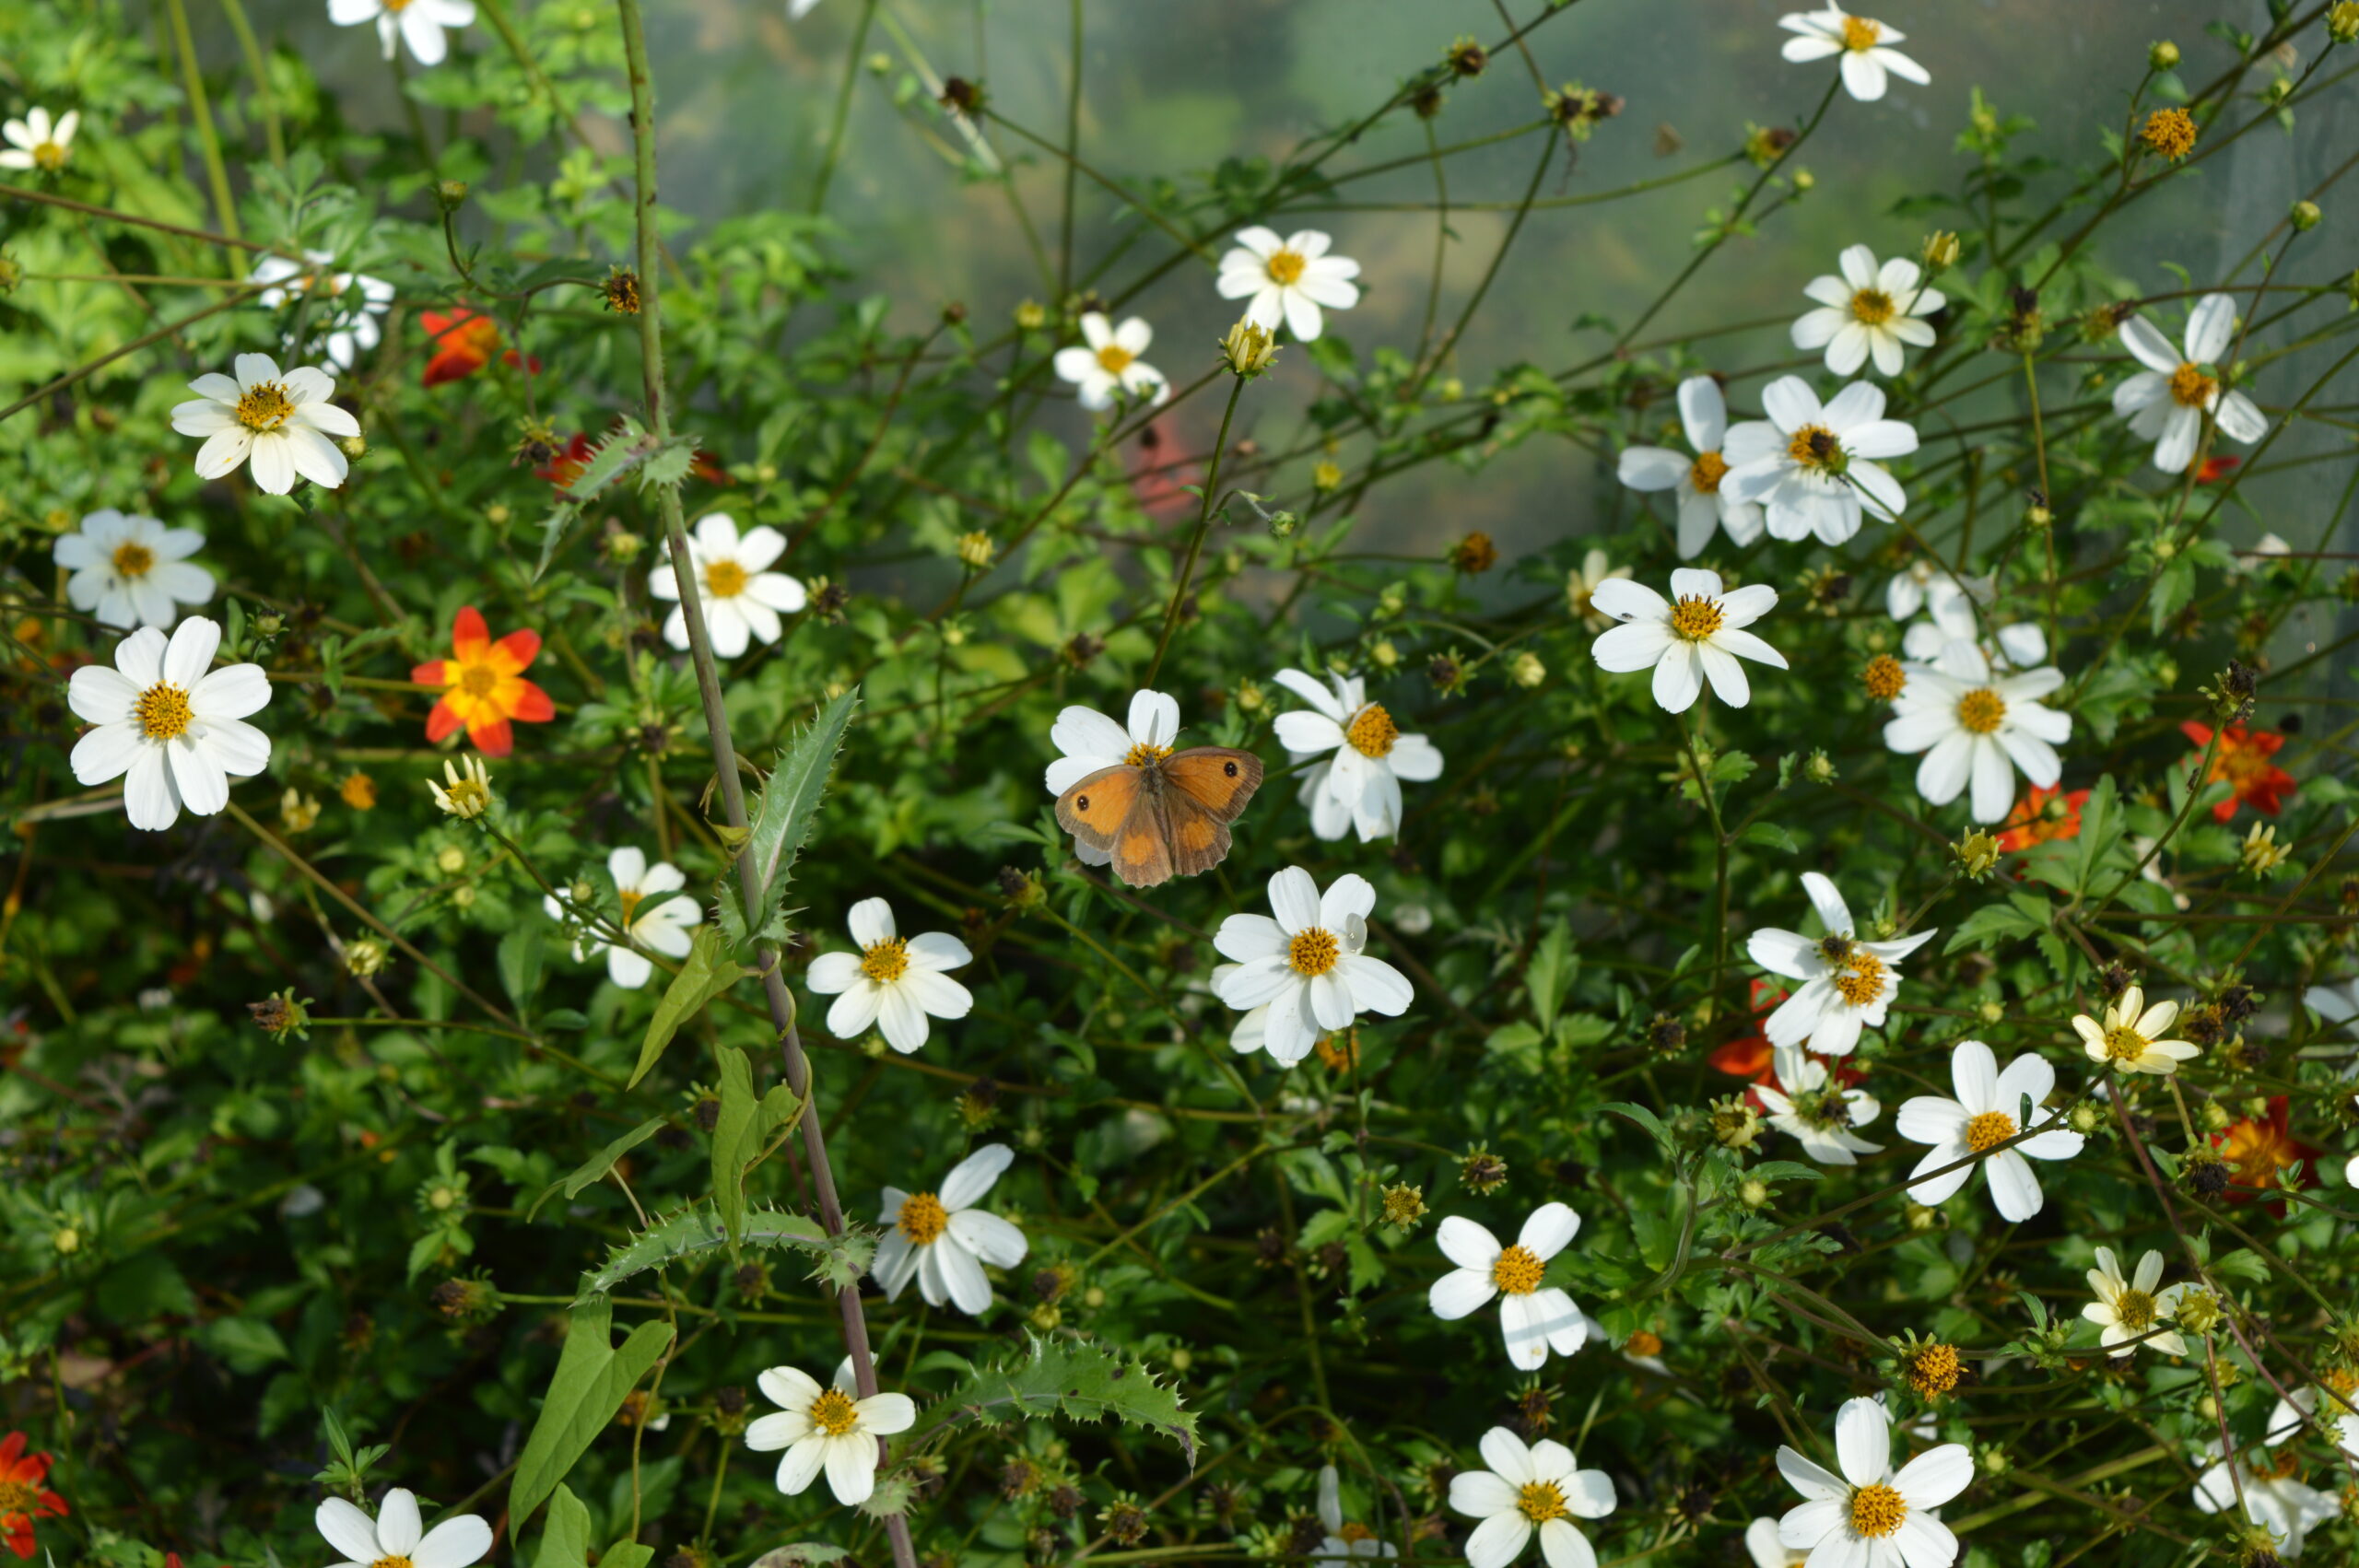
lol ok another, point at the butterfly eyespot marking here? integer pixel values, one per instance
(1081, 802)
(1229, 769)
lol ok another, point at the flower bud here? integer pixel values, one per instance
(1976, 854)
(1527, 669)
(2163, 56)
(2303, 217)
(1941, 251)
(2342, 22)
(1249, 350)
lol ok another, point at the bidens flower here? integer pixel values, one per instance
(1869, 312)
(742, 598)
(1091, 742)
(1869, 59)
(1582, 582)
(418, 23)
(893, 983)
(1987, 1112)
(2131, 1312)
(1816, 467)
(941, 1240)
(398, 1534)
(660, 926)
(169, 724)
(1847, 983)
(1287, 280)
(37, 142)
(1808, 1103)
(281, 422)
(350, 304)
(1523, 1490)
(130, 570)
(1869, 1516)
(2166, 403)
(484, 686)
(1533, 1318)
(1308, 967)
(1364, 756)
(26, 1501)
(828, 1429)
(2243, 763)
(1110, 364)
(2274, 1497)
(1978, 728)
(2133, 1037)
(1699, 638)
(1703, 505)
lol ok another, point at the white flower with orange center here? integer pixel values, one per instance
(340, 308)
(1818, 468)
(1090, 742)
(1977, 726)
(39, 142)
(283, 423)
(1534, 1318)
(1696, 635)
(652, 918)
(1810, 1105)
(130, 570)
(1871, 1516)
(1703, 504)
(2134, 1310)
(1286, 281)
(941, 1240)
(1865, 44)
(1870, 313)
(1308, 966)
(1976, 1130)
(397, 1537)
(893, 983)
(2276, 1496)
(1582, 584)
(170, 725)
(2134, 1038)
(1523, 1491)
(1847, 983)
(416, 23)
(831, 1429)
(1110, 365)
(1363, 756)
(742, 598)
(2166, 403)
(1345, 1538)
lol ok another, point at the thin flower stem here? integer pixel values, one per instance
(1195, 546)
(224, 205)
(842, 115)
(258, 66)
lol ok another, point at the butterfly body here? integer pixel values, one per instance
(1162, 816)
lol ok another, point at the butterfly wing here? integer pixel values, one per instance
(1205, 789)
(1095, 810)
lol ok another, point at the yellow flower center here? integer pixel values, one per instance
(1353, 1530)
(1517, 1270)
(1695, 617)
(1145, 753)
(1707, 471)
(1114, 359)
(1988, 1131)
(396, 1560)
(2190, 388)
(1934, 1370)
(265, 407)
(16, 1498)
(1542, 1501)
(724, 580)
(2170, 131)
(2124, 1043)
(1859, 33)
(1372, 732)
(886, 962)
(1814, 447)
(1861, 978)
(477, 680)
(1884, 677)
(832, 1414)
(1313, 952)
(133, 560)
(1642, 1344)
(50, 155)
(2136, 1310)
(632, 898)
(1877, 1511)
(163, 712)
(1981, 710)
(1873, 307)
(396, 7)
(1285, 267)
(924, 1219)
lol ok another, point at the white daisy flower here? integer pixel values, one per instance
(1533, 1318)
(1847, 983)
(1308, 966)
(1815, 1110)
(1582, 584)
(2134, 1037)
(132, 570)
(2166, 403)
(37, 142)
(1979, 728)
(1345, 1538)
(1816, 467)
(941, 1240)
(1869, 312)
(1091, 742)
(1869, 59)
(742, 598)
(1703, 505)
(1699, 637)
(2281, 1503)
(283, 422)
(418, 23)
(169, 725)
(1525, 1490)
(798, 9)
(830, 1429)
(2130, 1312)
(398, 1534)
(1364, 756)
(351, 303)
(662, 928)
(1761, 1544)
(1871, 1516)
(893, 983)
(1986, 1113)
(1287, 280)
(1110, 364)
(2288, 1419)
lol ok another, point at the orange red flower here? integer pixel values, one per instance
(484, 686)
(464, 342)
(565, 466)
(2216, 469)
(2259, 1149)
(2043, 816)
(1748, 1056)
(2243, 761)
(24, 1496)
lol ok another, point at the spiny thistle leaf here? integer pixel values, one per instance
(838, 1261)
(1074, 1378)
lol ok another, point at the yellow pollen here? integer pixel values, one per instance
(1981, 710)
(265, 407)
(1861, 978)
(1541, 1501)
(724, 580)
(50, 155)
(1707, 471)
(163, 712)
(132, 560)
(1988, 1131)
(2190, 388)
(1814, 447)
(2281, 1464)
(1873, 307)
(477, 680)
(397, 7)
(1145, 753)
(2124, 1043)
(1934, 1370)
(1517, 1270)
(832, 1414)
(2136, 1310)
(2170, 131)
(17, 1497)
(396, 1561)
(1884, 677)
(1372, 732)
(1313, 952)
(1695, 617)
(1877, 1511)
(631, 898)
(1285, 267)
(924, 1219)
(1114, 359)
(1859, 33)
(886, 962)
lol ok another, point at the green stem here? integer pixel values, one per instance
(224, 206)
(258, 64)
(1196, 544)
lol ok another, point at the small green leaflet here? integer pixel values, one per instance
(1074, 1378)
(1551, 973)
(782, 817)
(595, 1167)
(739, 1132)
(592, 1379)
(708, 972)
(564, 1543)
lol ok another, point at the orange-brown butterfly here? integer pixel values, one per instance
(1129, 799)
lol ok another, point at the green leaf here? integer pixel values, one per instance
(1769, 835)
(1551, 974)
(2101, 824)
(521, 963)
(247, 1344)
(565, 1540)
(1991, 925)
(739, 1132)
(1650, 1122)
(595, 1167)
(1077, 1379)
(840, 1260)
(592, 1379)
(782, 817)
(708, 972)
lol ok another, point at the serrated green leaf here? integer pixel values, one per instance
(2100, 827)
(595, 1167)
(1769, 836)
(1074, 1378)
(592, 1379)
(708, 972)
(1551, 973)
(781, 816)
(1989, 926)
(838, 1261)
(613, 457)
